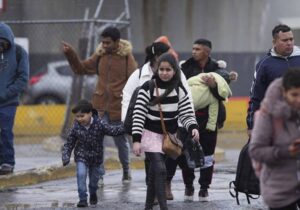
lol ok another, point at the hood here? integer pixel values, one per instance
(296, 52)
(125, 48)
(274, 103)
(6, 33)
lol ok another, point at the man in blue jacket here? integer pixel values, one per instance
(282, 56)
(14, 71)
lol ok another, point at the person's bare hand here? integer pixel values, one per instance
(209, 80)
(294, 148)
(66, 46)
(137, 148)
(195, 135)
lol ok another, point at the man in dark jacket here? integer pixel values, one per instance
(282, 56)
(199, 62)
(14, 75)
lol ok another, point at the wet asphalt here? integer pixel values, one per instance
(62, 194)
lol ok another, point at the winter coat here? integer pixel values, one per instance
(113, 71)
(279, 176)
(270, 67)
(138, 79)
(13, 74)
(202, 96)
(88, 143)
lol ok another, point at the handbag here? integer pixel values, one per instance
(194, 154)
(171, 145)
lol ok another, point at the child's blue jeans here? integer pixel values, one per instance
(83, 170)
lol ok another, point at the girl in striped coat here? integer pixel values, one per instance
(147, 132)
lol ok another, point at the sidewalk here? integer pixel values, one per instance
(37, 163)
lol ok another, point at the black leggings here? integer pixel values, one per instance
(156, 180)
(292, 206)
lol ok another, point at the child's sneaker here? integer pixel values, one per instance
(203, 195)
(93, 199)
(82, 204)
(6, 169)
(189, 194)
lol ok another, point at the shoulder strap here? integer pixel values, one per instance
(140, 72)
(160, 112)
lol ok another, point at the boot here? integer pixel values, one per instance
(169, 194)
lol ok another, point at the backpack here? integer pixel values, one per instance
(247, 173)
(129, 114)
(245, 179)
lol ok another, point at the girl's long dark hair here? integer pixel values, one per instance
(174, 82)
(155, 49)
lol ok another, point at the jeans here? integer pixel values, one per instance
(7, 118)
(156, 180)
(122, 144)
(82, 170)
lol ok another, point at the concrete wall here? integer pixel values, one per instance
(232, 25)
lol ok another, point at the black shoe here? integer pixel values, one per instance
(189, 194)
(203, 195)
(82, 204)
(6, 169)
(93, 199)
(126, 177)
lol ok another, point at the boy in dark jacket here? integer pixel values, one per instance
(86, 138)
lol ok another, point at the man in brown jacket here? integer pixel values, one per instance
(113, 62)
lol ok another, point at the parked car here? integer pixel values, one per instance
(52, 84)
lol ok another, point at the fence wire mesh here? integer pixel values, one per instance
(41, 115)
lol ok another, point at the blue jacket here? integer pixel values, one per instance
(13, 75)
(88, 143)
(268, 69)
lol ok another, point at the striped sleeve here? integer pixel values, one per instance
(140, 112)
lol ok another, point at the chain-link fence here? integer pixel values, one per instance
(43, 116)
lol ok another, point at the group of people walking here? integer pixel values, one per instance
(118, 78)
(188, 96)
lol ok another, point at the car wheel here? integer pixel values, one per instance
(49, 100)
